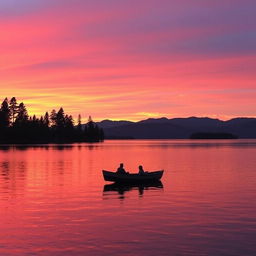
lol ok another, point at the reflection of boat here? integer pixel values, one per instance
(121, 188)
(132, 177)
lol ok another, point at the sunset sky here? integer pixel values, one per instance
(130, 59)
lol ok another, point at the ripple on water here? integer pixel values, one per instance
(54, 202)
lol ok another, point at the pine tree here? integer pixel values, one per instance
(5, 114)
(41, 121)
(79, 123)
(60, 119)
(34, 119)
(92, 131)
(22, 114)
(53, 118)
(69, 122)
(46, 119)
(13, 109)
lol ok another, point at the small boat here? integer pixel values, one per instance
(132, 177)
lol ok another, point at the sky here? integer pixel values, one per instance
(130, 59)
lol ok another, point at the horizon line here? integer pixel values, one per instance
(164, 117)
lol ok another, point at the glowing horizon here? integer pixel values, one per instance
(130, 60)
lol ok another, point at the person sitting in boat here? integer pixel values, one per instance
(120, 169)
(141, 171)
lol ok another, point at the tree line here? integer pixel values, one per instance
(16, 126)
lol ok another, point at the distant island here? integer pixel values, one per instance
(212, 135)
(16, 126)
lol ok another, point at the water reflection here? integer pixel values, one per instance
(53, 200)
(5, 170)
(122, 189)
(167, 144)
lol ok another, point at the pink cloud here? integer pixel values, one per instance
(114, 60)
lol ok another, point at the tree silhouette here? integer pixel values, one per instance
(60, 119)
(5, 114)
(22, 115)
(46, 120)
(79, 123)
(69, 122)
(13, 109)
(92, 132)
(16, 126)
(53, 118)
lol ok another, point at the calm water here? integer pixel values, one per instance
(53, 200)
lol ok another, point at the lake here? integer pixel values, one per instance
(54, 201)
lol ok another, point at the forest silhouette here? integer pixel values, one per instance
(16, 126)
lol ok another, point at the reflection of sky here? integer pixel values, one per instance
(120, 59)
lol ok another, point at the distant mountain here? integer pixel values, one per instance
(242, 127)
(109, 124)
(177, 128)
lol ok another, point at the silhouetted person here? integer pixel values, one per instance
(141, 171)
(120, 169)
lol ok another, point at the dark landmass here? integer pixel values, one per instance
(216, 135)
(17, 127)
(109, 124)
(178, 128)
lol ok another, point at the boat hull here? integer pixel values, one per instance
(132, 177)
